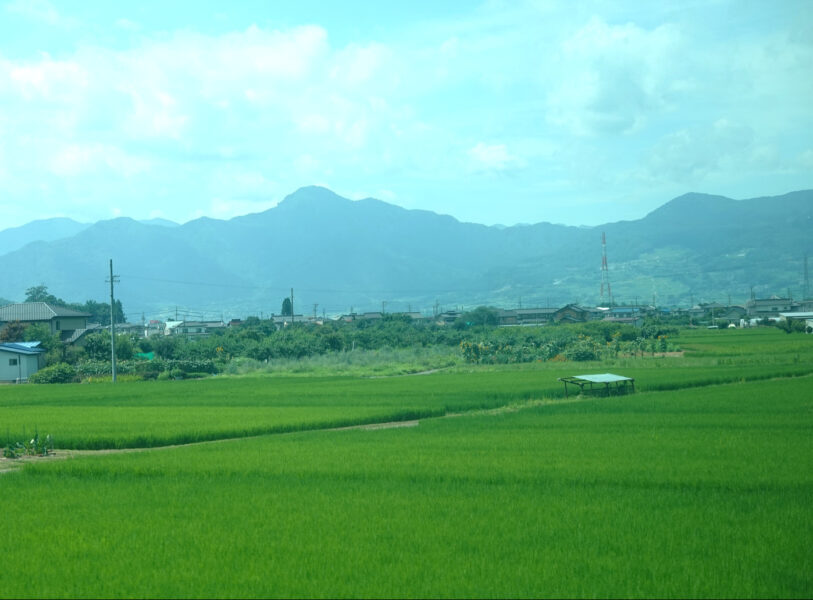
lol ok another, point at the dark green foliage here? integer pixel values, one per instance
(582, 350)
(13, 332)
(36, 446)
(481, 343)
(792, 326)
(97, 346)
(39, 293)
(480, 316)
(286, 310)
(58, 373)
(56, 351)
(99, 311)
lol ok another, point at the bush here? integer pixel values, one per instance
(584, 349)
(163, 376)
(58, 373)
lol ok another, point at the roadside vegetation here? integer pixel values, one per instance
(392, 345)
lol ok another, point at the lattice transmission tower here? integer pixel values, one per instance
(605, 275)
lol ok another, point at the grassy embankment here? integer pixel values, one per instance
(695, 491)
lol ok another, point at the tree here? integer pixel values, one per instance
(482, 316)
(39, 293)
(97, 345)
(286, 308)
(50, 342)
(100, 311)
(13, 332)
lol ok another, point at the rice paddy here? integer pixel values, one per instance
(685, 489)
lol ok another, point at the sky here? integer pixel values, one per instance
(496, 113)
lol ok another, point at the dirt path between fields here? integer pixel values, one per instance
(12, 464)
(8, 465)
(429, 372)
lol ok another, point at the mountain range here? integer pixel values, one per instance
(368, 255)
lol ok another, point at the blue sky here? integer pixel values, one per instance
(498, 112)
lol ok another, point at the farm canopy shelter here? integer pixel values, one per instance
(610, 381)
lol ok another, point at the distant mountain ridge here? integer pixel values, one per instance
(44, 230)
(369, 254)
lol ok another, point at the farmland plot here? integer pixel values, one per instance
(696, 492)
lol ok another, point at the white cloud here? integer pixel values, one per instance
(805, 159)
(493, 157)
(155, 114)
(234, 182)
(41, 11)
(430, 111)
(610, 78)
(691, 155)
(48, 79)
(128, 25)
(357, 65)
(74, 160)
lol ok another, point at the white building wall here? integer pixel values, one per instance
(26, 366)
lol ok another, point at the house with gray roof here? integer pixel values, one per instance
(765, 308)
(19, 361)
(61, 321)
(525, 316)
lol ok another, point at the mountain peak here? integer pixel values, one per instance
(691, 207)
(312, 196)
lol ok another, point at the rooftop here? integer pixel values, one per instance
(22, 348)
(36, 311)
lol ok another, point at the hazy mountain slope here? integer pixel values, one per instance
(341, 253)
(44, 230)
(154, 265)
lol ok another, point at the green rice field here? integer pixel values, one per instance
(698, 485)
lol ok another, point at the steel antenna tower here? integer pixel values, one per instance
(605, 276)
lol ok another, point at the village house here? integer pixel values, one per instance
(448, 317)
(195, 329)
(525, 316)
(19, 361)
(61, 321)
(573, 313)
(769, 308)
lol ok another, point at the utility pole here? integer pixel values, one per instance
(807, 282)
(113, 279)
(292, 305)
(314, 311)
(691, 307)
